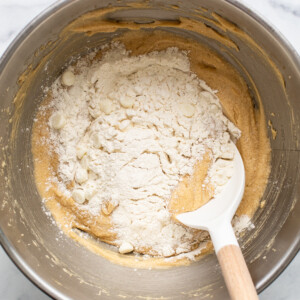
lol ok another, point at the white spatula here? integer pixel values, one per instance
(215, 217)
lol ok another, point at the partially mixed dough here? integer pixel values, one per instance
(128, 135)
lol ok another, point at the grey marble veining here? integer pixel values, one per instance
(15, 14)
(283, 15)
(14, 285)
(292, 7)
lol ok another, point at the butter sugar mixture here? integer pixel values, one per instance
(128, 134)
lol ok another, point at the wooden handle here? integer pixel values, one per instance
(236, 273)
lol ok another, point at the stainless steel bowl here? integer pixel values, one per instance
(65, 269)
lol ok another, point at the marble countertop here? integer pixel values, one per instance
(284, 15)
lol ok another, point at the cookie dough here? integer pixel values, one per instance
(237, 105)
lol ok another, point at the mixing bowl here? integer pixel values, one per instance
(63, 268)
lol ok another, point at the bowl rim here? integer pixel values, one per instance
(290, 251)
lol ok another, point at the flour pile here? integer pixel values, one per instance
(126, 129)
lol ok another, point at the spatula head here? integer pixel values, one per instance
(224, 205)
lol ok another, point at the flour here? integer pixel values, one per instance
(126, 130)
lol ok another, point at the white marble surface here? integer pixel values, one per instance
(15, 14)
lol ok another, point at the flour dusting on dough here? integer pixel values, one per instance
(125, 139)
(126, 130)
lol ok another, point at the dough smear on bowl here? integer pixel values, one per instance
(136, 125)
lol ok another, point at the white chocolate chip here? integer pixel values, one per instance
(81, 151)
(57, 120)
(84, 162)
(127, 102)
(130, 113)
(124, 124)
(78, 196)
(187, 109)
(68, 78)
(125, 248)
(96, 140)
(81, 175)
(106, 106)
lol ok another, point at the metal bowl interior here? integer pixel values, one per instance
(67, 270)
